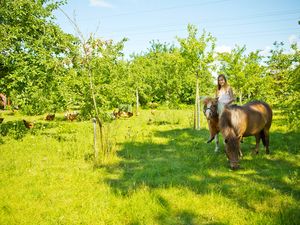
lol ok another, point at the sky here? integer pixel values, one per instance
(257, 24)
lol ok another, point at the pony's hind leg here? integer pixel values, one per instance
(265, 139)
(217, 142)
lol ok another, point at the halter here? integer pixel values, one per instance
(213, 113)
(208, 108)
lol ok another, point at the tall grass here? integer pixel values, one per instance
(160, 171)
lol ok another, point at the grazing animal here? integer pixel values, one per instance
(1, 120)
(50, 117)
(28, 124)
(71, 116)
(153, 105)
(251, 119)
(211, 113)
(116, 114)
(128, 114)
(3, 101)
(122, 114)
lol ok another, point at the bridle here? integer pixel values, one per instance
(208, 108)
(214, 113)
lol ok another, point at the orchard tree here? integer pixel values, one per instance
(157, 74)
(166, 77)
(32, 53)
(111, 74)
(198, 53)
(283, 73)
(139, 71)
(256, 83)
(97, 77)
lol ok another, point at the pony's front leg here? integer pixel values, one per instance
(240, 153)
(217, 142)
(240, 150)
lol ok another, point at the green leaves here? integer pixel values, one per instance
(32, 50)
(283, 73)
(43, 69)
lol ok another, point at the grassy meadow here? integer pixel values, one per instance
(158, 171)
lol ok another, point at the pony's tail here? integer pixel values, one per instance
(263, 137)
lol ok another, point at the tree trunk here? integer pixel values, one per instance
(137, 102)
(90, 74)
(96, 152)
(197, 107)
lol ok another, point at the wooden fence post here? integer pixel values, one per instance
(95, 140)
(197, 106)
(137, 102)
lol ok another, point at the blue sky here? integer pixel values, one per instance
(254, 23)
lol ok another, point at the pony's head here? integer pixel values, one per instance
(210, 108)
(232, 150)
(231, 139)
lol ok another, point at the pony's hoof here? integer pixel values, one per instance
(235, 167)
(254, 152)
(209, 140)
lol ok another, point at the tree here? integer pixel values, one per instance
(199, 55)
(256, 82)
(157, 74)
(283, 73)
(246, 73)
(32, 53)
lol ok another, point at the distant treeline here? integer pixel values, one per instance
(43, 69)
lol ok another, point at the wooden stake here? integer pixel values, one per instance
(137, 102)
(197, 106)
(95, 140)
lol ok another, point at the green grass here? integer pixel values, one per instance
(159, 171)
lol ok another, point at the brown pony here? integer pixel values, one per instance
(2, 101)
(210, 111)
(236, 122)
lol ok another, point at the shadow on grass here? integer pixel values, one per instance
(166, 165)
(187, 161)
(181, 216)
(279, 171)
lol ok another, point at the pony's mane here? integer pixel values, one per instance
(225, 122)
(247, 106)
(233, 106)
(225, 118)
(209, 99)
(257, 102)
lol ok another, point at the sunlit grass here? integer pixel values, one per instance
(159, 171)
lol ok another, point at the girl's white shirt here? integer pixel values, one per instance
(224, 95)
